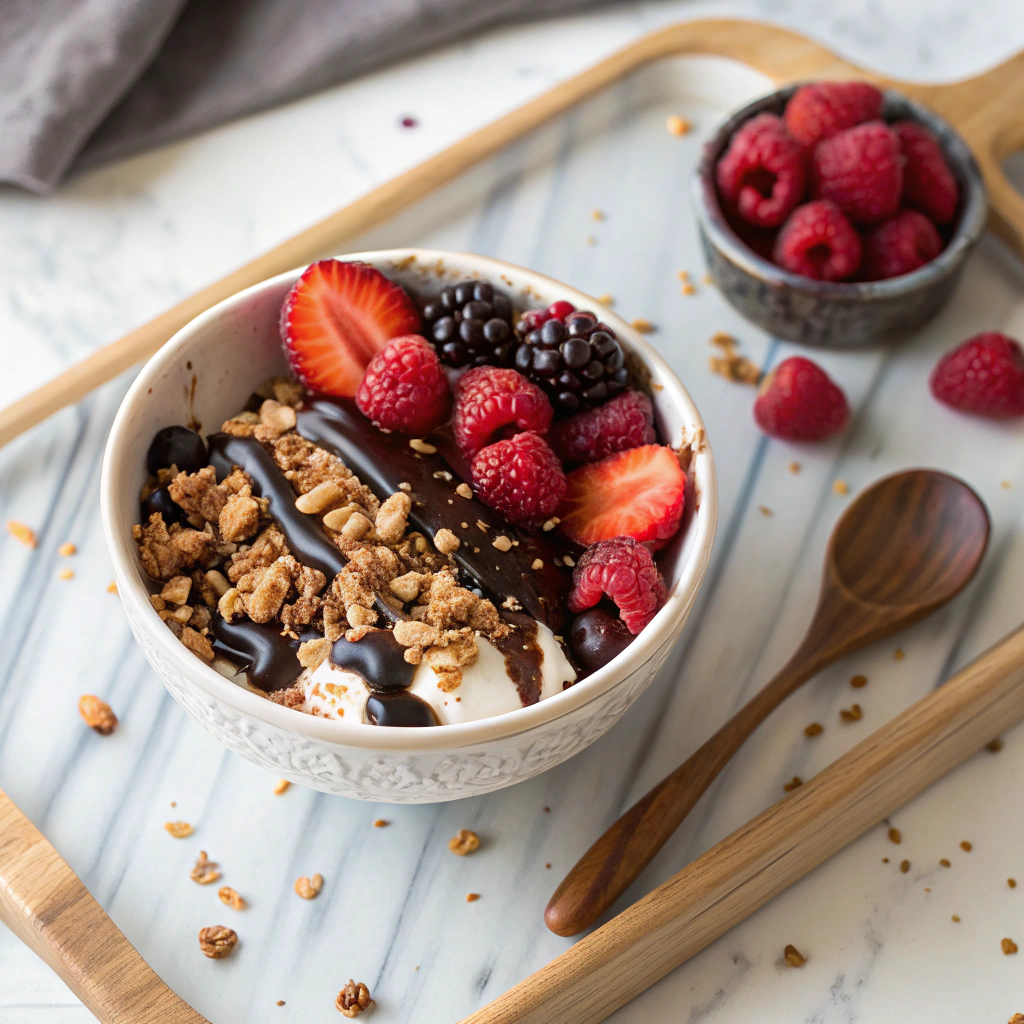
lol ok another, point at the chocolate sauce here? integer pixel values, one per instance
(401, 708)
(383, 461)
(523, 657)
(305, 535)
(378, 657)
(269, 660)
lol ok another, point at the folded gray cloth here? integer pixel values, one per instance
(83, 81)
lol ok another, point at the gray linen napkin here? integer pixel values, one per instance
(84, 81)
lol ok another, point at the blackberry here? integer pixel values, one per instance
(471, 325)
(579, 363)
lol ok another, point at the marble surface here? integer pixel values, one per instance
(121, 243)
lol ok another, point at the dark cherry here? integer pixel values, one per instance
(161, 501)
(596, 637)
(176, 446)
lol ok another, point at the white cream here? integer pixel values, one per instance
(486, 689)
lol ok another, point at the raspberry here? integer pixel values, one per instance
(521, 478)
(622, 569)
(823, 109)
(985, 376)
(818, 241)
(625, 421)
(404, 387)
(861, 170)
(799, 402)
(928, 183)
(560, 309)
(899, 245)
(762, 175)
(488, 398)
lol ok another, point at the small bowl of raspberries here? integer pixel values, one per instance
(838, 214)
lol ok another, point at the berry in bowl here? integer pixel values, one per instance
(431, 541)
(838, 214)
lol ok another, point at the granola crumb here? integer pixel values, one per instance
(688, 289)
(606, 299)
(281, 786)
(205, 870)
(794, 468)
(793, 956)
(547, 810)
(1009, 947)
(230, 898)
(464, 491)
(22, 533)
(502, 543)
(858, 681)
(1012, 883)
(898, 655)
(465, 841)
(353, 999)
(111, 587)
(280, 1002)
(309, 888)
(548, 864)
(994, 746)
(794, 783)
(446, 542)
(597, 214)
(642, 326)
(841, 487)
(904, 866)
(885, 860)
(966, 846)
(895, 836)
(537, 565)
(550, 524)
(955, 919)
(944, 862)
(814, 729)
(217, 941)
(381, 823)
(676, 125)
(765, 511)
(97, 714)
(729, 364)
(66, 574)
(67, 549)
(179, 829)
(590, 240)
(852, 714)
(472, 897)
(417, 444)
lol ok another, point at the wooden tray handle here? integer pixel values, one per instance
(45, 904)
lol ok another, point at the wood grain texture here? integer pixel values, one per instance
(43, 902)
(984, 108)
(905, 547)
(607, 968)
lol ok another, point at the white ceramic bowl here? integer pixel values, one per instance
(207, 371)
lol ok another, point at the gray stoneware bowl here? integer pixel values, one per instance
(836, 314)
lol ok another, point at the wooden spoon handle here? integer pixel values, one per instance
(610, 866)
(45, 904)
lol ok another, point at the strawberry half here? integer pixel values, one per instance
(636, 493)
(336, 318)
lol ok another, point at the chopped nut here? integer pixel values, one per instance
(338, 517)
(66, 574)
(358, 616)
(502, 543)
(642, 326)
(179, 829)
(551, 523)
(765, 511)
(276, 418)
(904, 866)
(415, 634)
(794, 783)
(857, 682)
(794, 957)
(538, 564)
(1009, 947)
(944, 862)
(380, 823)
(464, 491)
(814, 729)
(66, 549)
(841, 487)
(446, 542)
(197, 644)
(423, 447)
(356, 527)
(955, 919)
(176, 590)
(321, 498)
(568, 560)
(851, 714)
(313, 653)
(231, 605)
(97, 714)
(308, 888)
(895, 836)
(676, 125)
(217, 582)
(111, 587)
(472, 897)
(22, 533)
(463, 842)
(407, 587)
(205, 870)
(442, 474)
(392, 517)
(281, 786)
(353, 999)
(217, 941)
(230, 898)
(966, 846)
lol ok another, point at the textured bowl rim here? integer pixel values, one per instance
(393, 739)
(969, 228)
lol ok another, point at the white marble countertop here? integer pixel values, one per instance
(116, 246)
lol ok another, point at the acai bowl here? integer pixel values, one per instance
(205, 378)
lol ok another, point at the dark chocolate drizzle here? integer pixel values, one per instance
(378, 657)
(523, 657)
(269, 660)
(383, 461)
(401, 708)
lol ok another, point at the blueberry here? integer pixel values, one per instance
(161, 501)
(176, 446)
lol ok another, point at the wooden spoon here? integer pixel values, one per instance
(904, 548)
(45, 904)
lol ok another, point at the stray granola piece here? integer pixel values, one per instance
(642, 326)
(472, 897)
(898, 654)
(309, 888)
(730, 364)
(1012, 883)
(197, 644)
(313, 653)
(392, 517)
(955, 919)
(353, 999)
(502, 543)
(176, 590)
(904, 866)
(230, 898)
(994, 746)
(205, 870)
(606, 300)
(275, 419)
(814, 729)
(851, 714)
(463, 842)
(841, 487)
(676, 125)
(1017, 1018)
(895, 836)
(446, 542)
(794, 783)
(111, 587)
(464, 491)
(380, 823)
(21, 533)
(537, 564)
(966, 846)
(765, 511)
(356, 527)
(794, 957)
(858, 681)
(944, 862)
(597, 214)
(407, 587)
(281, 786)
(794, 468)
(321, 498)
(1009, 947)
(338, 517)
(417, 444)
(97, 714)
(66, 549)
(239, 519)
(66, 574)
(217, 941)
(179, 829)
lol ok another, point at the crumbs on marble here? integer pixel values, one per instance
(1009, 947)
(858, 681)
(22, 533)
(898, 654)
(230, 898)
(353, 999)
(217, 941)
(794, 783)
(309, 888)
(841, 487)
(606, 299)
(678, 126)
(179, 829)
(205, 871)
(904, 866)
(729, 364)
(472, 897)
(966, 846)
(281, 786)
(994, 746)
(794, 467)
(895, 836)
(111, 587)
(765, 511)
(642, 326)
(67, 549)
(852, 713)
(814, 729)
(793, 956)
(97, 714)
(381, 823)
(464, 842)
(945, 862)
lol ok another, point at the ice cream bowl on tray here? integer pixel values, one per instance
(208, 372)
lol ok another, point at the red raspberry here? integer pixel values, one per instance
(560, 309)
(823, 109)
(799, 402)
(622, 569)
(899, 245)
(762, 175)
(861, 170)
(985, 376)
(818, 241)
(404, 387)
(520, 477)
(928, 183)
(625, 421)
(488, 398)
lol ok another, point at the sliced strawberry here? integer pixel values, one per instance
(636, 493)
(336, 318)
